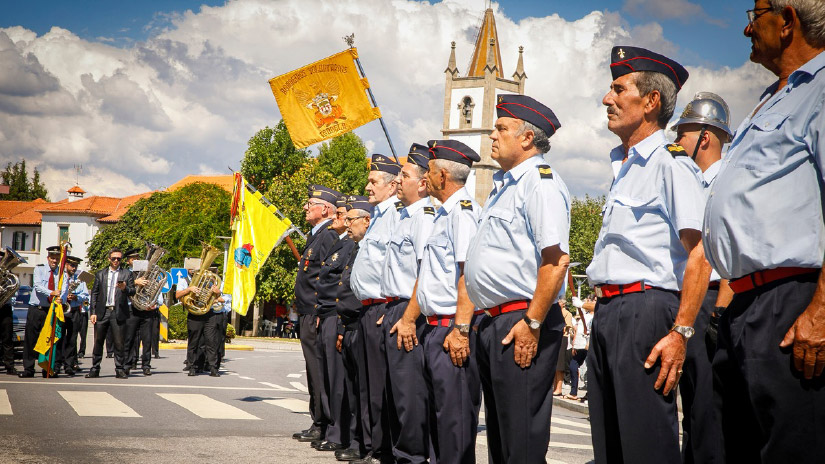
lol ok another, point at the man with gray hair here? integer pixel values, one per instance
(764, 231)
(515, 271)
(441, 296)
(648, 255)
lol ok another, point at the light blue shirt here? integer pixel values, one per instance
(406, 249)
(372, 251)
(81, 292)
(654, 196)
(456, 223)
(709, 176)
(524, 214)
(40, 278)
(765, 207)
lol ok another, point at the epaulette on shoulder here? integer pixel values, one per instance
(429, 210)
(41, 264)
(545, 172)
(676, 150)
(466, 204)
(399, 206)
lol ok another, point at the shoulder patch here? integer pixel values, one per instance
(399, 206)
(429, 210)
(545, 172)
(466, 204)
(676, 150)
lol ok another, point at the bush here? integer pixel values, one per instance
(230, 333)
(177, 323)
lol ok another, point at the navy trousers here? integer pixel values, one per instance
(335, 407)
(376, 361)
(630, 421)
(314, 367)
(455, 398)
(518, 402)
(352, 353)
(769, 411)
(407, 396)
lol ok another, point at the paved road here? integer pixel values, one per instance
(246, 415)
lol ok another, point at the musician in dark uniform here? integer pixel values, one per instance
(350, 343)
(45, 283)
(202, 331)
(138, 326)
(110, 309)
(319, 211)
(7, 332)
(329, 277)
(77, 295)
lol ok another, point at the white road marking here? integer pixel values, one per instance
(563, 431)
(292, 404)
(294, 376)
(571, 423)
(236, 359)
(556, 444)
(299, 386)
(246, 378)
(97, 404)
(277, 387)
(5, 405)
(134, 385)
(207, 408)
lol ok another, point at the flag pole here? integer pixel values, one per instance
(350, 40)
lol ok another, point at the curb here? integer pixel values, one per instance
(228, 346)
(575, 406)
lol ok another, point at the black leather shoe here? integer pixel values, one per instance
(157, 356)
(53, 376)
(93, 374)
(192, 372)
(311, 435)
(70, 372)
(110, 356)
(329, 446)
(348, 454)
(147, 371)
(127, 370)
(297, 435)
(121, 374)
(185, 368)
(315, 443)
(26, 375)
(214, 373)
(11, 371)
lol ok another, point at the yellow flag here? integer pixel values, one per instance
(324, 99)
(256, 230)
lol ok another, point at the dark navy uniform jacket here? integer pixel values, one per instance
(329, 277)
(349, 306)
(310, 266)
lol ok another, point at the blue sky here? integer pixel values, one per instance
(698, 35)
(142, 93)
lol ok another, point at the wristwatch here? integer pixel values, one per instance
(532, 323)
(683, 330)
(463, 329)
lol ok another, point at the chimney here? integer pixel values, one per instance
(76, 193)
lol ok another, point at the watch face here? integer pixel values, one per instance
(535, 324)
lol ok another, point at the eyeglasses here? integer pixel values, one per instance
(350, 220)
(340, 214)
(753, 16)
(310, 204)
(115, 258)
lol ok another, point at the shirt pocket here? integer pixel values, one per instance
(632, 214)
(501, 226)
(442, 251)
(766, 143)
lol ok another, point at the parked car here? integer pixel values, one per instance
(20, 309)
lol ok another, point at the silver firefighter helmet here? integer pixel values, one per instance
(707, 108)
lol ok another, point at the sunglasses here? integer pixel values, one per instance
(115, 258)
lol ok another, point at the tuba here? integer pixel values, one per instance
(146, 296)
(201, 301)
(9, 283)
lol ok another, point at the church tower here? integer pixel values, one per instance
(470, 102)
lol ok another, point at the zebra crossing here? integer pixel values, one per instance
(104, 404)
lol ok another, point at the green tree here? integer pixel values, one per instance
(271, 155)
(345, 157)
(585, 224)
(20, 187)
(177, 221)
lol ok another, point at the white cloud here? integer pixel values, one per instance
(187, 100)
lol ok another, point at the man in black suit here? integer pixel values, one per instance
(110, 309)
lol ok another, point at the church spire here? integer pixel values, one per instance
(520, 74)
(451, 67)
(483, 49)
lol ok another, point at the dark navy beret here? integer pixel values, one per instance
(419, 155)
(527, 109)
(359, 202)
(625, 60)
(384, 164)
(453, 150)
(324, 193)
